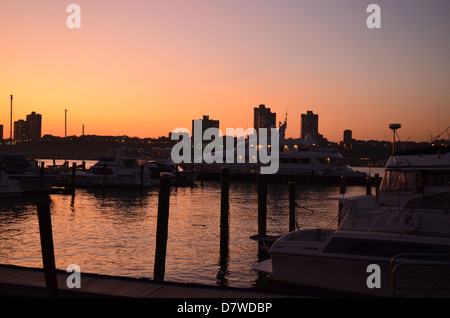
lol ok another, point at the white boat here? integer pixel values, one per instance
(129, 168)
(29, 177)
(8, 188)
(401, 241)
(178, 176)
(297, 157)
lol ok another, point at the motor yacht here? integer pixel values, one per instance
(30, 178)
(128, 168)
(8, 188)
(400, 240)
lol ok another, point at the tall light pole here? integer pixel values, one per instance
(65, 136)
(10, 127)
(394, 128)
(65, 123)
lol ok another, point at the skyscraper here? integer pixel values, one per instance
(20, 130)
(29, 129)
(264, 118)
(34, 123)
(1, 132)
(348, 138)
(310, 124)
(206, 123)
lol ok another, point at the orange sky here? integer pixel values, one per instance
(144, 68)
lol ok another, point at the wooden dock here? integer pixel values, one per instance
(23, 282)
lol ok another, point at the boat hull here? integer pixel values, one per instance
(110, 181)
(34, 184)
(332, 273)
(356, 275)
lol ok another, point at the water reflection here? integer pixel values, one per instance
(113, 232)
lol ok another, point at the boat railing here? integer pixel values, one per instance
(421, 275)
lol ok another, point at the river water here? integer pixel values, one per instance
(114, 233)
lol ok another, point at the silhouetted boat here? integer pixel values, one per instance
(29, 178)
(404, 237)
(8, 188)
(123, 170)
(178, 176)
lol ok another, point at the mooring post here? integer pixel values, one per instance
(262, 204)
(74, 169)
(224, 207)
(48, 253)
(41, 178)
(377, 185)
(202, 175)
(368, 185)
(142, 177)
(292, 220)
(162, 228)
(342, 189)
(103, 178)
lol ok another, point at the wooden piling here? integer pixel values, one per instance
(104, 178)
(41, 178)
(48, 254)
(224, 207)
(162, 228)
(377, 185)
(202, 175)
(342, 189)
(262, 205)
(142, 177)
(369, 185)
(74, 169)
(292, 221)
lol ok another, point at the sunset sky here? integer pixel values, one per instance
(146, 67)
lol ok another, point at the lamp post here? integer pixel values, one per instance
(394, 128)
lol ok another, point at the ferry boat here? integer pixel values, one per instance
(400, 240)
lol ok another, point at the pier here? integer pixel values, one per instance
(26, 282)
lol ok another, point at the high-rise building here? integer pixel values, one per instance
(1, 132)
(264, 118)
(310, 124)
(34, 123)
(205, 123)
(29, 129)
(20, 130)
(348, 138)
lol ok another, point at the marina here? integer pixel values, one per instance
(114, 233)
(225, 149)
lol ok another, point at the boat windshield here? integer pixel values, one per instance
(399, 181)
(435, 201)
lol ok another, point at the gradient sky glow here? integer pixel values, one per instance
(145, 67)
